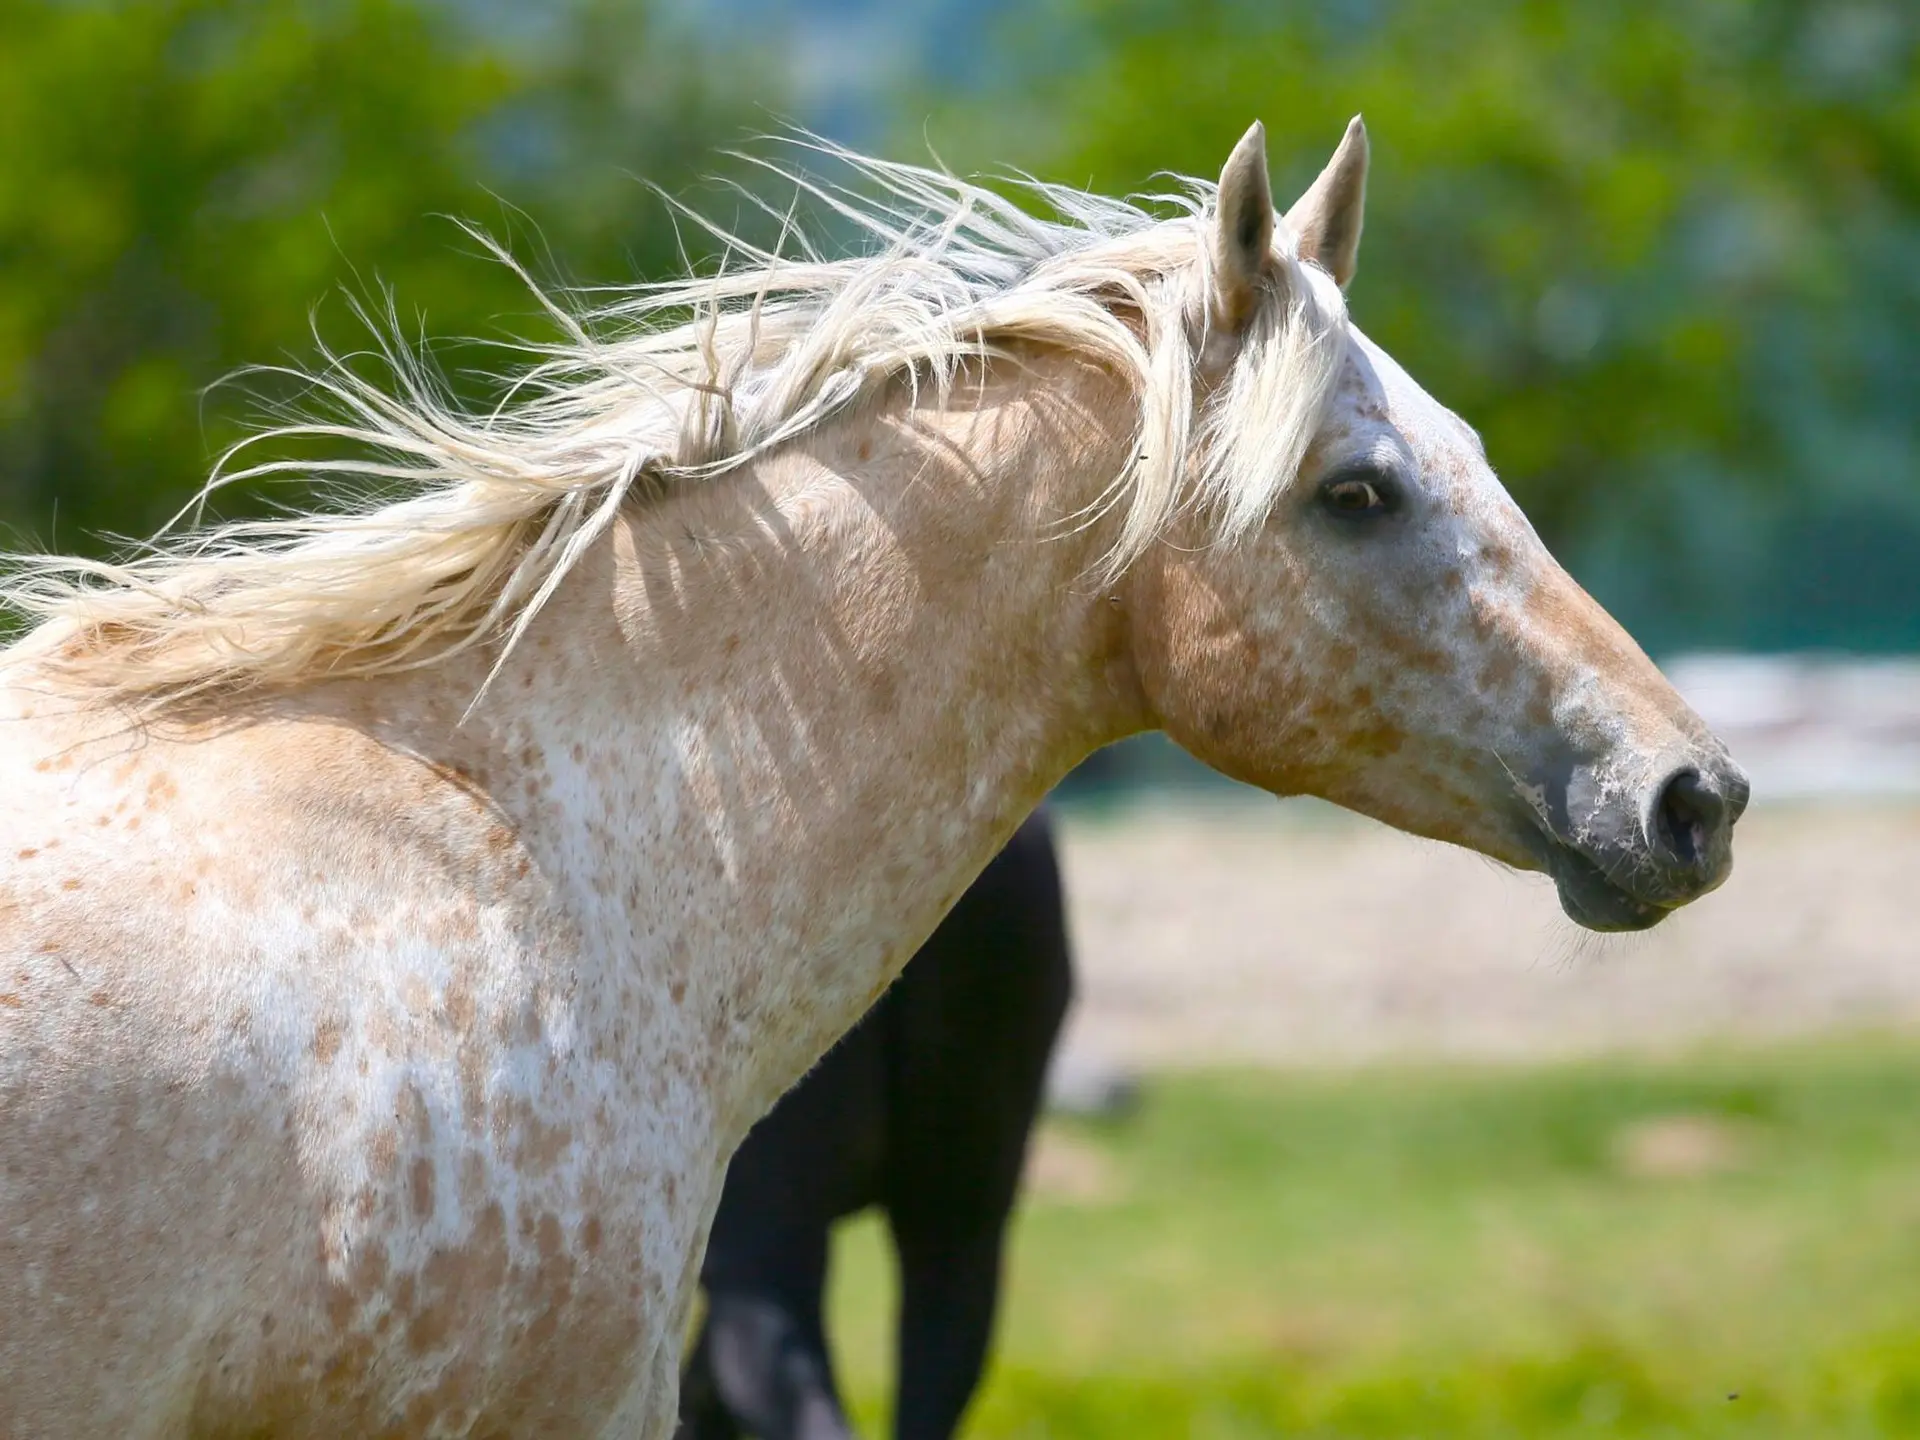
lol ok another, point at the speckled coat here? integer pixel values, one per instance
(367, 1072)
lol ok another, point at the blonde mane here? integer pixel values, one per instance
(668, 385)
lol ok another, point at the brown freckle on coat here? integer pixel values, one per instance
(10, 1000)
(423, 1415)
(29, 852)
(730, 644)
(100, 998)
(1426, 661)
(429, 1326)
(385, 1151)
(460, 1008)
(415, 996)
(340, 1307)
(420, 1184)
(579, 753)
(1539, 710)
(865, 451)
(454, 1281)
(1378, 741)
(677, 991)
(542, 1145)
(1498, 671)
(590, 1234)
(70, 883)
(327, 1038)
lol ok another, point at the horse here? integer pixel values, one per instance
(924, 1110)
(411, 901)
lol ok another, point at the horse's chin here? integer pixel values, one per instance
(1594, 902)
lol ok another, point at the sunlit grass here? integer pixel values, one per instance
(1598, 1249)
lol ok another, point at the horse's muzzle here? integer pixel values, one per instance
(1620, 865)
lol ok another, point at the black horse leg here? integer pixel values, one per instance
(764, 1347)
(703, 1414)
(948, 1287)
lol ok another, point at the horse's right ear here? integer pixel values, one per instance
(1243, 231)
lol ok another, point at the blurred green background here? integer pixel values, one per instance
(1664, 254)
(1721, 1244)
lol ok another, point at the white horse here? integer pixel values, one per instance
(407, 909)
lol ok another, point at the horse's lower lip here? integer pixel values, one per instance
(1592, 900)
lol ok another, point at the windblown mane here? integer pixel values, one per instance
(668, 385)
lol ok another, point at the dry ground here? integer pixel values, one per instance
(1214, 931)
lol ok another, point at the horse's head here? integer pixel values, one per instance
(1394, 637)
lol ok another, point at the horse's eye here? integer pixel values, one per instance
(1354, 498)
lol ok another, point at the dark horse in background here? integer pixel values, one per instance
(922, 1109)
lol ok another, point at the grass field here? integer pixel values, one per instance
(1723, 1245)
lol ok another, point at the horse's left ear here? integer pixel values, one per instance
(1243, 230)
(1327, 218)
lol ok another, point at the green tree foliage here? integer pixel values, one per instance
(183, 182)
(1665, 254)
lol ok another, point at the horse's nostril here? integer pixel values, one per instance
(1687, 816)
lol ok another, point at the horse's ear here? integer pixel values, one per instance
(1327, 218)
(1243, 233)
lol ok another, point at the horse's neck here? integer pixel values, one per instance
(788, 717)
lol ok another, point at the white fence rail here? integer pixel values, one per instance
(1808, 726)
